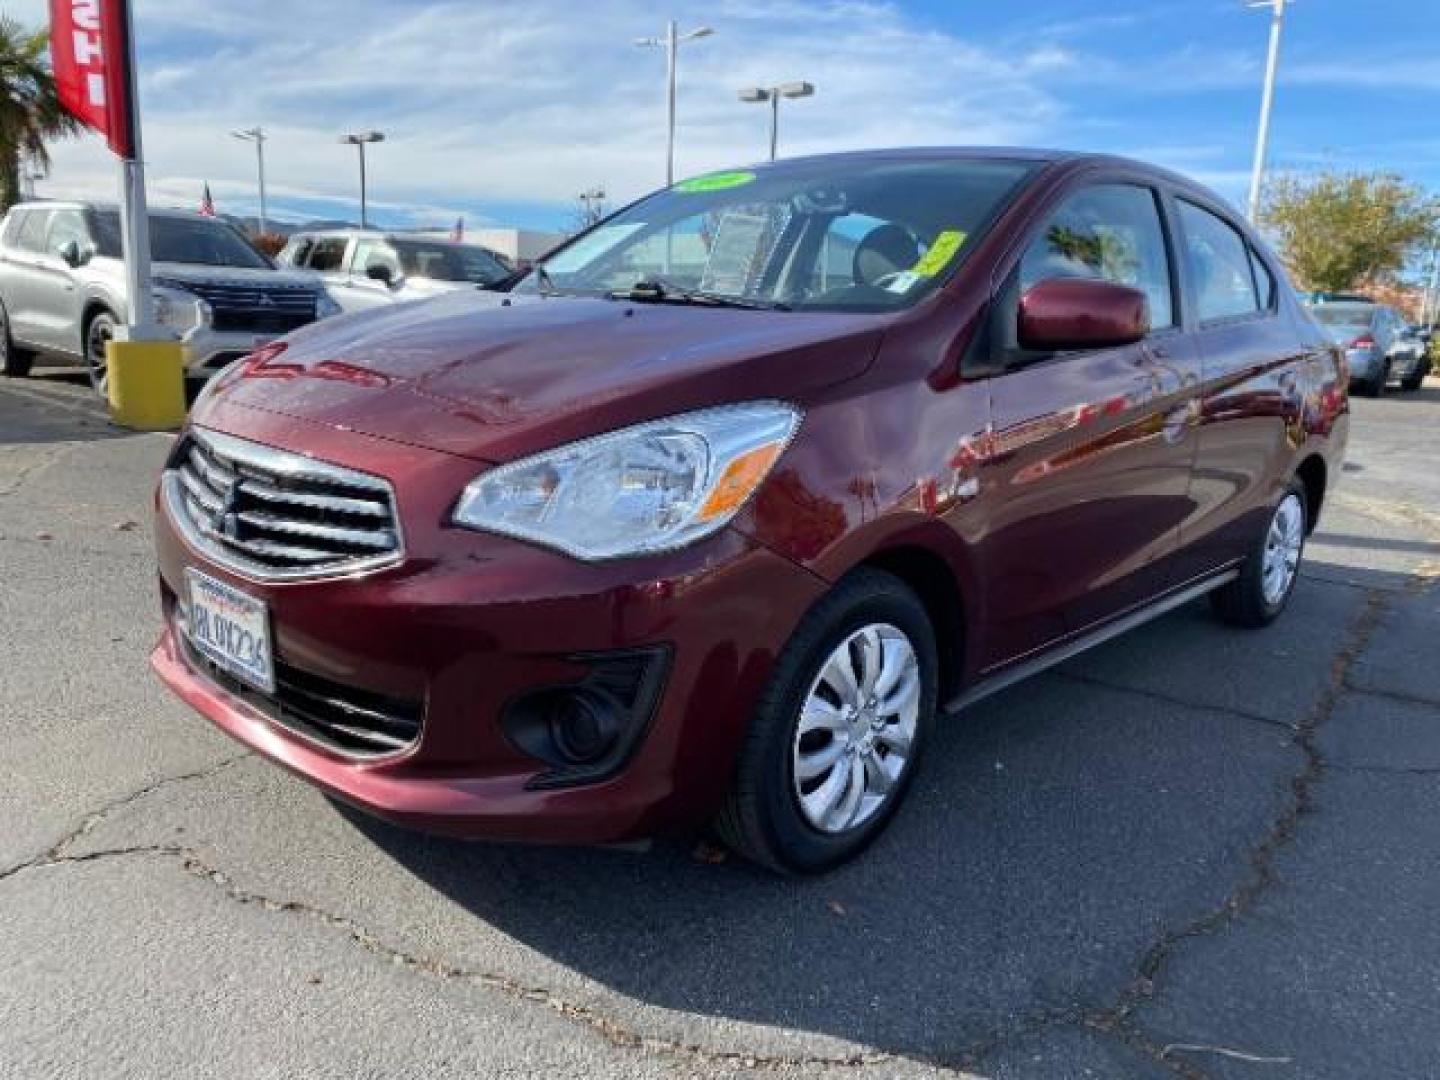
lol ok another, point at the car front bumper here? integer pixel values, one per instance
(470, 623)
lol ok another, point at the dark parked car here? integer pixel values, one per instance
(716, 512)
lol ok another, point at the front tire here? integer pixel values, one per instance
(839, 731)
(99, 332)
(15, 362)
(1415, 380)
(1268, 576)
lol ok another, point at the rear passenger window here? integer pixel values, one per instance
(1220, 267)
(32, 233)
(328, 256)
(1109, 232)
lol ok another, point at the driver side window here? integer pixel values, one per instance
(1110, 232)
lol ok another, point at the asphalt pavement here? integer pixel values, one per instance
(1195, 851)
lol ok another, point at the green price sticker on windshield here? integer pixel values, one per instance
(941, 252)
(720, 181)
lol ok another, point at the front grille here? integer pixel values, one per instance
(256, 309)
(358, 723)
(270, 514)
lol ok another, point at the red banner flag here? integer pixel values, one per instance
(90, 52)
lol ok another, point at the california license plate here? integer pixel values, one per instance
(231, 629)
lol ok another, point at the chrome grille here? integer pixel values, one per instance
(270, 309)
(271, 514)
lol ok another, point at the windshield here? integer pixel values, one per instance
(1343, 314)
(846, 235)
(198, 241)
(450, 262)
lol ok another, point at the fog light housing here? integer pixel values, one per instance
(584, 724)
(586, 730)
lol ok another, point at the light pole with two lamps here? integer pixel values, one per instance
(772, 94)
(671, 43)
(360, 140)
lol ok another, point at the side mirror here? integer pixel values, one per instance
(1081, 313)
(71, 253)
(380, 272)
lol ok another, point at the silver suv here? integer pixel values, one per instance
(1378, 345)
(62, 288)
(365, 269)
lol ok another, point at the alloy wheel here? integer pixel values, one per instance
(857, 729)
(96, 338)
(1283, 545)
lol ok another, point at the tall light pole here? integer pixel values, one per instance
(1267, 100)
(360, 140)
(772, 94)
(671, 43)
(257, 136)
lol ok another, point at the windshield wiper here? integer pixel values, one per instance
(660, 292)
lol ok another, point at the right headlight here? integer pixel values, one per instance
(653, 487)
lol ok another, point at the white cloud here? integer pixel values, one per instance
(531, 101)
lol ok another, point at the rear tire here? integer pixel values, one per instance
(818, 779)
(15, 362)
(1268, 575)
(1374, 388)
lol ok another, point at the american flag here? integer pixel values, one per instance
(207, 204)
(458, 233)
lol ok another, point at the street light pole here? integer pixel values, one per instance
(1267, 100)
(671, 43)
(360, 140)
(772, 95)
(257, 136)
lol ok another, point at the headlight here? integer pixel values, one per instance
(325, 306)
(178, 309)
(650, 488)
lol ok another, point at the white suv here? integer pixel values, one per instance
(62, 288)
(365, 269)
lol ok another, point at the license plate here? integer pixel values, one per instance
(231, 629)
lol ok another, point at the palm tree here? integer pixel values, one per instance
(30, 110)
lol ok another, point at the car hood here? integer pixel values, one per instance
(493, 378)
(230, 275)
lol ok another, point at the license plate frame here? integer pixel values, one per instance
(231, 629)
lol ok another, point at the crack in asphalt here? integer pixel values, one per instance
(57, 853)
(613, 1031)
(1392, 695)
(1119, 1018)
(1175, 699)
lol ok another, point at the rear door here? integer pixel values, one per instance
(56, 297)
(25, 274)
(1091, 449)
(1253, 364)
(329, 256)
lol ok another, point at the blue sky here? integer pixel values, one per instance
(501, 110)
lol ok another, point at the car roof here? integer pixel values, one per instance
(111, 207)
(1074, 159)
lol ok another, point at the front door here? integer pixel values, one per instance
(1091, 451)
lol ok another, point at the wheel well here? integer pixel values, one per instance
(933, 582)
(1312, 474)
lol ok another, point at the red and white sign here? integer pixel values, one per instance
(90, 52)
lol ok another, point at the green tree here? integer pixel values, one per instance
(30, 111)
(1337, 231)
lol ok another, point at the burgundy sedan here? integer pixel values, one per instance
(713, 514)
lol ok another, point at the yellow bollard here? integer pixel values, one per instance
(147, 384)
